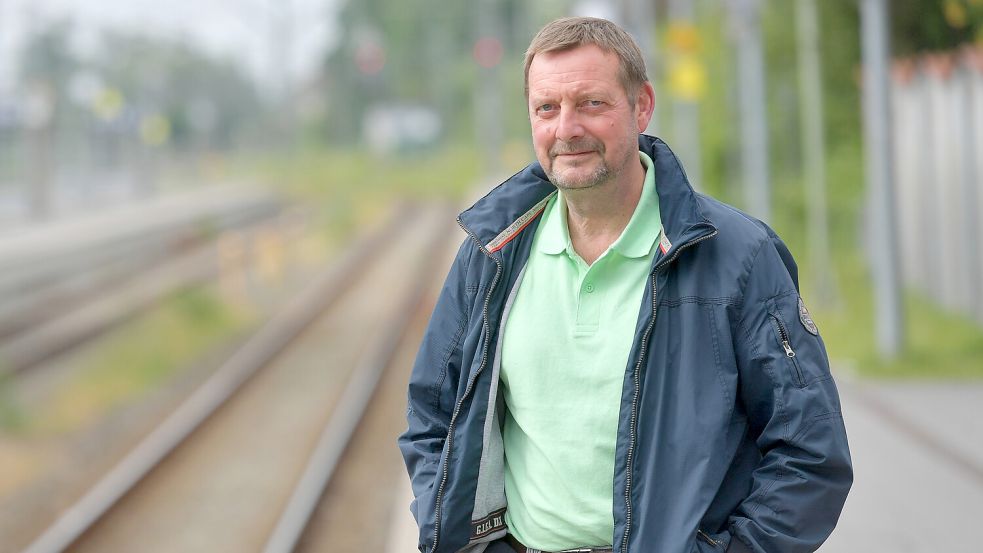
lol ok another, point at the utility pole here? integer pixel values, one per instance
(488, 51)
(640, 19)
(281, 15)
(814, 147)
(39, 134)
(439, 54)
(746, 30)
(878, 141)
(687, 81)
(970, 183)
(40, 130)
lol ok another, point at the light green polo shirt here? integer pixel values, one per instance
(565, 350)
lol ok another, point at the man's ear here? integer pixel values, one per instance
(644, 106)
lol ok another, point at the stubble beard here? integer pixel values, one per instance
(601, 174)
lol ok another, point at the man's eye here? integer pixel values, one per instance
(546, 108)
(595, 103)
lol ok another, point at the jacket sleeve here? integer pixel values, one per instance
(804, 474)
(434, 381)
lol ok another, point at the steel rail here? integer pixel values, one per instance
(28, 349)
(33, 260)
(37, 291)
(272, 339)
(355, 399)
(107, 307)
(40, 296)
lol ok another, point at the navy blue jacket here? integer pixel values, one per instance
(730, 436)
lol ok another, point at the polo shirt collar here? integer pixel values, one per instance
(645, 224)
(555, 235)
(639, 236)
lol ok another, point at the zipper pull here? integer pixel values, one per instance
(788, 349)
(708, 539)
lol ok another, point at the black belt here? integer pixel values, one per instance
(519, 548)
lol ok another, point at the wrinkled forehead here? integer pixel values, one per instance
(573, 71)
(574, 65)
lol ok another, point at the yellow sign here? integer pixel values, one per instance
(155, 130)
(686, 72)
(683, 38)
(108, 104)
(687, 78)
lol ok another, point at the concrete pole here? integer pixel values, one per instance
(39, 135)
(976, 91)
(814, 148)
(889, 316)
(970, 183)
(640, 19)
(282, 16)
(746, 27)
(439, 55)
(686, 111)
(519, 26)
(489, 125)
(41, 179)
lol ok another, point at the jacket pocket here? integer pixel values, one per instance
(797, 340)
(784, 340)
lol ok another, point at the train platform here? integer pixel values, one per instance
(918, 459)
(918, 467)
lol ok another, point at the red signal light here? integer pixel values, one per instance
(488, 52)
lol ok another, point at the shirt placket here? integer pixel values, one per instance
(588, 298)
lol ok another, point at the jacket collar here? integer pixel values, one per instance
(502, 215)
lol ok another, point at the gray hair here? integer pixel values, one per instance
(570, 32)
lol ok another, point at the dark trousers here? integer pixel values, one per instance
(499, 546)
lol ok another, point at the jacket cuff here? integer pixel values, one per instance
(737, 546)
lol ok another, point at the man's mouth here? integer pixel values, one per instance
(575, 149)
(574, 154)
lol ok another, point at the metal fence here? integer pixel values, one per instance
(938, 135)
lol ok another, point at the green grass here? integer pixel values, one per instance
(131, 362)
(939, 344)
(13, 417)
(350, 187)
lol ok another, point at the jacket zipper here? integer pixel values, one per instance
(784, 334)
(467, 390)
(708, 539)
(636, 380)
(787, 346)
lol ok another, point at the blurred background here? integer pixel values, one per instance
(171, 176)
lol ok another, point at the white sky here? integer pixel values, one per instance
(240, 29)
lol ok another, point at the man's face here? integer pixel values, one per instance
(584, 131)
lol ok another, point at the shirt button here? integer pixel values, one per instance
(589, 288)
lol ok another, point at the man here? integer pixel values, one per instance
(616, 362)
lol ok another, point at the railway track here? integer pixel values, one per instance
(242, 464)
(58, 290)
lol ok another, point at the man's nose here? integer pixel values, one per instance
(569, 125)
